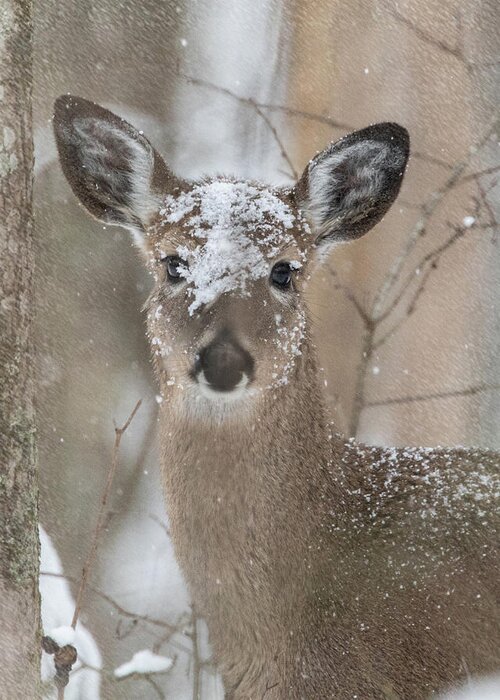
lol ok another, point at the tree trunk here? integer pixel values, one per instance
(19, 547)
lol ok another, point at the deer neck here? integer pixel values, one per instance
(282, 427)
(242, 496)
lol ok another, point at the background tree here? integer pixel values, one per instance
(19, 598)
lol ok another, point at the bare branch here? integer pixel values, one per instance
(119, 608)
(154, 685)
(359, 401)
(420, 227)
(457, 51)
(258, 107)
(102, 514)
(268, 688)
(428, 264)
(330, 121)
(410, 308)
(381, 309)
(131, 479)
(160, 522)
(481, 173)
(276, 136)
(469, 391)
(432, 159)
(350, 296)
(429, 260)
(147, 677)
(196, 658)
(426, 37)
(483, 194)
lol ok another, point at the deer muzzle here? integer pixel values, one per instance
(223, 365)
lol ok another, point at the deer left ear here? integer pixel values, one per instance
(345, 190)
(111, 167)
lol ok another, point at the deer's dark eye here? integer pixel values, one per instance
(281, 275)
(174, 266)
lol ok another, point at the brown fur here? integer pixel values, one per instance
(314, 576)
(324, 568)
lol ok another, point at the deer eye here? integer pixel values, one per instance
(281, 275)
(174, 266)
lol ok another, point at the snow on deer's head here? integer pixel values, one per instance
(230, 259)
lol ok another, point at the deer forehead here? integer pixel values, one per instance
(229, 234)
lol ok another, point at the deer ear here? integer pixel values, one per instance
(347, 189)
(111, 167)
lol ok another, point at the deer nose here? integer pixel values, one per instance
(224, 365)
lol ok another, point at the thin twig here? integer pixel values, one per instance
(196, 658)
(130, 677)
(358, 403)
(160, 522)
(87, 567)
(409, 310)
(147, 442)
(290, 111)
(119, 608)
(457, 51)
(426, 37)
(293, 172)
(469, 391)
(426, 264)
(154, 685)
(420, 227)
(432, 258)
(431, 159)
(268, 688)
(483, 193)
(481, 173)
(258, 107)
(381, 309)
(350, 296)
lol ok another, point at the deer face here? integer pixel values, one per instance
(226, 316)
(230, 259)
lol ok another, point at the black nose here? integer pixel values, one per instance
(224, 363)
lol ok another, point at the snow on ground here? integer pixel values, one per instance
(144, 661)
(57, 611)
(62, 635)
(476, 689)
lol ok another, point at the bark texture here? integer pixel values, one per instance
(19, 547)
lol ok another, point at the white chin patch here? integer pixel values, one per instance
(206, 390)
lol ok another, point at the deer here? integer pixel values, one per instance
(324, 567)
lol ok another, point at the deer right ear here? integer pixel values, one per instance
(111, 167)
(347, 189)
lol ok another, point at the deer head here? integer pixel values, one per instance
(230, 259)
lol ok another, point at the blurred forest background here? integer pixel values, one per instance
(407, 318)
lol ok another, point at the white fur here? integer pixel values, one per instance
(234, 395)
(199, 402)
(143, 201)
(369, 159)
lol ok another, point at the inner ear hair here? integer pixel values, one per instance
(111, 167)
(347, 188)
